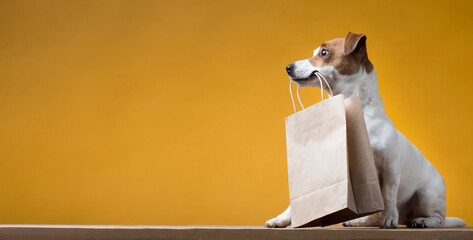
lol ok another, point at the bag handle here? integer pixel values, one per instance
(321, 90)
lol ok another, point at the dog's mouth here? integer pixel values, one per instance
(310, 77)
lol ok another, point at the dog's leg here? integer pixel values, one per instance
(368, 221)
(283, 220)
(391, 177)
(430, 208)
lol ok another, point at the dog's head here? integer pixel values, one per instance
(340, 60)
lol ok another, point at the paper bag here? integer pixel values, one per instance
(332, 175)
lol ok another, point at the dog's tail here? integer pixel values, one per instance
(451, 222)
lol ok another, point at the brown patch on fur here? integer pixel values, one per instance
(345, 54)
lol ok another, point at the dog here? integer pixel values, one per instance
(413, 190)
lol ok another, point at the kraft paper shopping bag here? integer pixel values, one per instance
(332, 175)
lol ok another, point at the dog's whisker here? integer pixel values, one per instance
(331, 78)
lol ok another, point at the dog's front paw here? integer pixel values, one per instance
(366, 221)
(348, 224)
(389, 218)
(352, 223)
(278, 222)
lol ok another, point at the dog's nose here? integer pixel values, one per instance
(289, 67)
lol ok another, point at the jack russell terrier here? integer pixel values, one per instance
(413, 190)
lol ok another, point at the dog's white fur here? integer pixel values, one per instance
(413, 190)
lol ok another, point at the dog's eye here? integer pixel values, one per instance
(324, 52)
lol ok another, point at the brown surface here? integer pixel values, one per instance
(221, 232)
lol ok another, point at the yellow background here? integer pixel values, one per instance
(172, 112)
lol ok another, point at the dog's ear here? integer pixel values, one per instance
(354, 41)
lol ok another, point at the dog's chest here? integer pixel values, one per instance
(382, 135)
